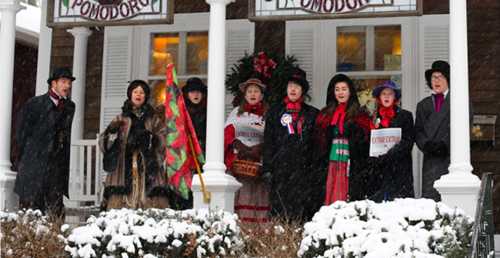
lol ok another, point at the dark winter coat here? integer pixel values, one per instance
(356, 132)
(391, 174)
(43, 136)
(432, 135)
(145, 135)
(198, 114)
(287, 162)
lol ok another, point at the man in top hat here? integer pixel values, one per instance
(432, 128)
(43, 136)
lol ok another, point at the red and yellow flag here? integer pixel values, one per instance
(182, 156)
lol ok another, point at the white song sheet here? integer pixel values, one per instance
(382, 140)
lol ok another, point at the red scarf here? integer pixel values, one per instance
(60, 103)
(339, 117)
(386, 115)
(257, 109)
(294, 107)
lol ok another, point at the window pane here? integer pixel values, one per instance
(197, 52)
(351, 49)
(366, 84)
(388, 48)
(164, 50)
(158, 90)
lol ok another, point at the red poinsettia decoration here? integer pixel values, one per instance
(264, 65)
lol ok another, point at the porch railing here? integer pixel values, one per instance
(85, 184)
(483, 242)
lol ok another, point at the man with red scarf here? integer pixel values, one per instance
(288, 144)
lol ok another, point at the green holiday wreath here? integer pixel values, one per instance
(273, 70)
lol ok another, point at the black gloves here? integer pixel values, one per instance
(113, 127)
(141, 139)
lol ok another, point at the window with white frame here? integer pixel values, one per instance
(369, 55)
(188, 50)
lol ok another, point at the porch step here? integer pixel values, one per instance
(78, 216)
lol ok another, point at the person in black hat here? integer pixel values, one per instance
(43, 137)
(133, 145)
(287, 150)
(195, 96)
(432, 128)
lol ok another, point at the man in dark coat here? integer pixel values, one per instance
(43, 136)
(432, 128)
(287, 151)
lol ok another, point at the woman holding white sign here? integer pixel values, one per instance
(392, 138)
(342, 142)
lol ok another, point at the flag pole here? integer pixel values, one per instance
(206, 194)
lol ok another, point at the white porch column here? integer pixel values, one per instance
(460, 187)
(44, 50)
(221, 185)
(8, 10)
(81, 35)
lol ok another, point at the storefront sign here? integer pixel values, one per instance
(307, 9)
(108, 12)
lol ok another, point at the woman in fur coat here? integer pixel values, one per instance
(134, 149)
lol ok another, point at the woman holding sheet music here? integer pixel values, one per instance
(390, 174)
(341, 137)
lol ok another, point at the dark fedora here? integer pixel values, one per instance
(387, 85)
(194, 84)
(61, 73)
(298, 76)
(438, 66)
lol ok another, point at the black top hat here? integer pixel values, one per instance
(298, 76)
(61, 73)
(194, 84)
(438, 66)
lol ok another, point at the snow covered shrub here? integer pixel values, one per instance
(402, 228)
(30, 234)
(156, 233)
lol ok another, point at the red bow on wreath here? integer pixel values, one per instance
(263, 64)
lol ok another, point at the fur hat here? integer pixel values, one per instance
(438, 66)
(252, 81)
(138, 83)
(195, 84)
(330, 96)
(298, 76)
(387, 85)
(61, 73)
